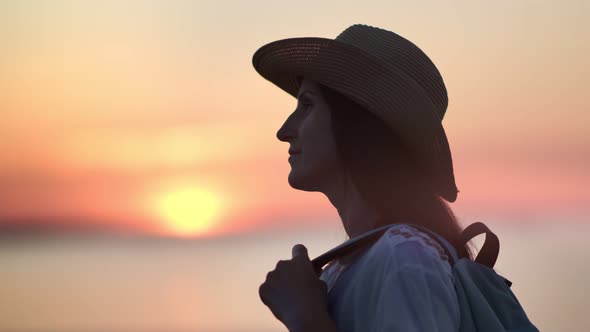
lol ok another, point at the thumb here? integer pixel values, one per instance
(299, 250)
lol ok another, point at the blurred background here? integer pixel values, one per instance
(142, 186)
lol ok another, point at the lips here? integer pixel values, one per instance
(293, 152)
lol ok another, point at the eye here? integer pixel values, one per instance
(306, 104)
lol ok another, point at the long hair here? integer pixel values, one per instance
(385, 173)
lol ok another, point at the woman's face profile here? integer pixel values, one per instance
(314, 162)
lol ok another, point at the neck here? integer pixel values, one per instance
(357, 216)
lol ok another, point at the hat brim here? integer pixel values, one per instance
(384, 90)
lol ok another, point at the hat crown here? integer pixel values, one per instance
(394, 50)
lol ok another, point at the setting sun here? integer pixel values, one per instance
(188, 211)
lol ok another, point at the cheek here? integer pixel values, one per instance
(317, 142)
(320, 151)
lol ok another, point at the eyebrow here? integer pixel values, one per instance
(305, 92)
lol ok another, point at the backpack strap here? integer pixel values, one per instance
(486, 256)
(489, 251)
(491, 247)
(359, 242)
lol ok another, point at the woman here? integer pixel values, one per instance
(367, 133)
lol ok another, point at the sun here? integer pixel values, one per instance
(189, 211)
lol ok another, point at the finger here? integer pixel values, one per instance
(281, 264)
(262, 293)
(299, 250)
(265, 292)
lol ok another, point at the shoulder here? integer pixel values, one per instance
(408, 272)
(403, 246)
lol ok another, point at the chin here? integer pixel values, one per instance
(300, 182)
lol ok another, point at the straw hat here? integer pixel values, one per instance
(381, 71)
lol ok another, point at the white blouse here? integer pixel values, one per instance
(403, 282)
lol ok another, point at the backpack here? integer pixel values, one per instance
(486, 302)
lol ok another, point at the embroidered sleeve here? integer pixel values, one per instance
(410, 286)
(415, 299)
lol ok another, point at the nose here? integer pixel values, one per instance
(287, 131)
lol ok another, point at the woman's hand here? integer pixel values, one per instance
(294, 293)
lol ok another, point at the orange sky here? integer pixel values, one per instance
(117, 114)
